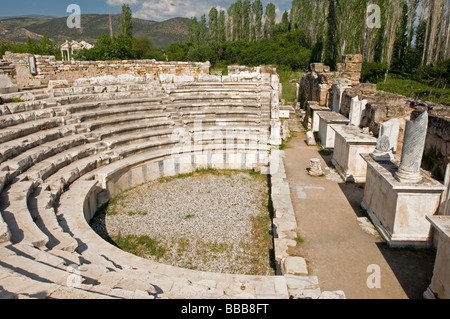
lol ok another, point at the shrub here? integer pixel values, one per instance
(373, 72)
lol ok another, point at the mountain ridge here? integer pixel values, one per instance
(162, 34)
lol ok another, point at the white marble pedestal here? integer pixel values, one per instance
(399, 210)
(326, 133)
(349, 143)
(440, 283)
(315, 120)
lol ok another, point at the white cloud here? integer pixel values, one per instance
(160, 10)
(121, 2)
(166, 9)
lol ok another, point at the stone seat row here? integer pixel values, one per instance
(52, 172)
(171, 287)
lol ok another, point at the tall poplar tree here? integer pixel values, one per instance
(270, 21)
(126, 21)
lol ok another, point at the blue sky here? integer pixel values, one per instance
(146, 9)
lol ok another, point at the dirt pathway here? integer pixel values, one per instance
(335, 245)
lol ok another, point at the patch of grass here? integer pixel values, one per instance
(189, 216)
(415, 89)
(289, 88)
(137, 213)
(260, 248)
(299, 239)
(17, 100)
(142, 246)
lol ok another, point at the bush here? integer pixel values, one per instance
(373, 72)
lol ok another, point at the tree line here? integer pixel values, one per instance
(412, 39)
(412, 36)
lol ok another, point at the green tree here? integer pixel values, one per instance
(203, 30)
(257, 9)
(143, 47)
(270, 21)
(126, 21)
(213, 24)
(246, 11)
(46, 47)
(221, 26)
(237, 15)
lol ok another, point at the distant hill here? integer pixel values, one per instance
(18, 29)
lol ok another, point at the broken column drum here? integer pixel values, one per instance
(413, 147)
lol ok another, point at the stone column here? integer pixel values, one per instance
(413, 147)
(387, 141)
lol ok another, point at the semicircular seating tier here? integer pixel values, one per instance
(64, 152)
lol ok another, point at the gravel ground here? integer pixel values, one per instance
(204, 222)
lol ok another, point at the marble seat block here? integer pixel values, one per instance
(349, 143)
(399, 210)
(315, 120)
(326, 133)
(440, 283)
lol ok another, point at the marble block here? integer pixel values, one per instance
(315, 120)
(326, 133)
(6, 86)
(349, 143)
(440, 283)
(399, 210)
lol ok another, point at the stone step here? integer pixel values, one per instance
(108, 132)
(13, 205)
(41, 206)
(132, 149)
(221, 114)
(49, 166)
(113, 112)
(223, 121)
(25, 129)
(35, 155)
(15, 147)
(119, 120)
(216, 105)
(61, 179)
(24, 117)
(107, 104)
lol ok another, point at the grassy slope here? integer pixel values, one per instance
(415, 90)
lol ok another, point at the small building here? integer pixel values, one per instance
(69, 47)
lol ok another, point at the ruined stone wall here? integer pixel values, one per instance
(437, 145)
(48, 68)
(316, 84)
(362, 91)
(7, 68)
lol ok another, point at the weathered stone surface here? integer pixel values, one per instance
(57, 84)
(349, 143)
(310, 139)
(326, 133)
(6, 86)
(387, 141)
(413, 147)
(293, 265)
(338, 294)
(5, 234)
(398, 210)
(440, 283)
(316, 167)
